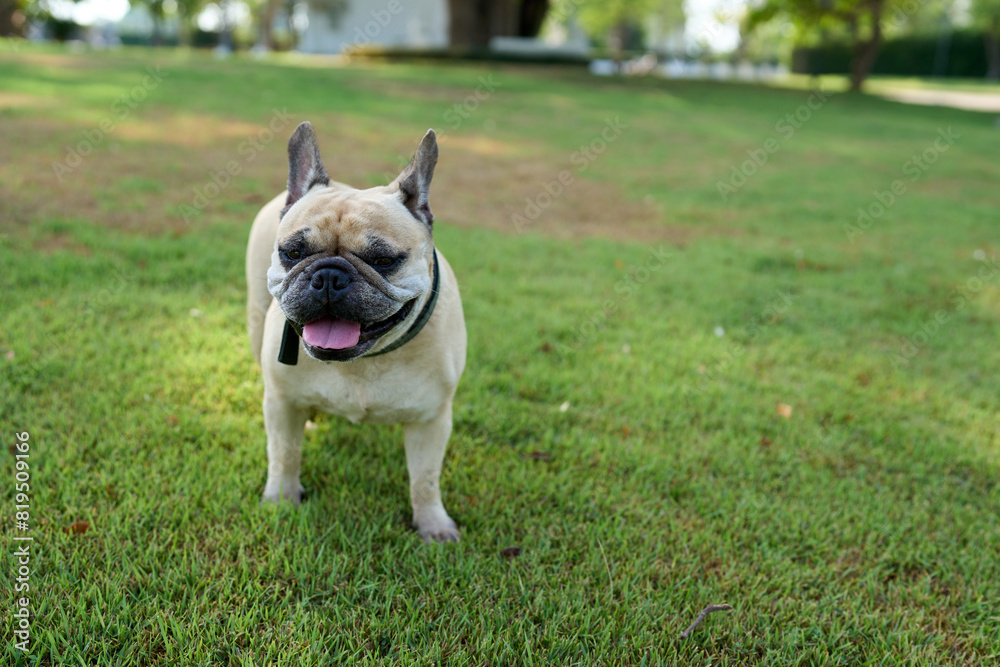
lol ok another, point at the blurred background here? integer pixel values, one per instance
(723, 39)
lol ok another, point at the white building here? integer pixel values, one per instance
(414, 24)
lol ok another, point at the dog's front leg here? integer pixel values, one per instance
(284, 424)
(425, 446)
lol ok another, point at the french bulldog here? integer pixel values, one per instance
(352, 279)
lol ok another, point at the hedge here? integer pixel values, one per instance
(963, 54)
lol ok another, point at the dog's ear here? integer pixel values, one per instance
(305, 168)
(414, 183)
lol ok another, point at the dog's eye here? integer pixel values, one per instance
(293, 254)
(384, 262)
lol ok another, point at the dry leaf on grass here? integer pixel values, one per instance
(78, 528)
(784, 410)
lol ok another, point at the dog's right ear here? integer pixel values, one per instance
(305, 168)
(415, 182)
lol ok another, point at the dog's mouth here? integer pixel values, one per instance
(331, 338)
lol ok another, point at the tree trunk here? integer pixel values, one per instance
(866, 50)
(183, 32)
(474, 22)
(225, 30)
(157, 38)
(617, 43)
(267, 13)
(532, 17)
(12, 19)
(993, 49)
(293, 36)
(470, 23)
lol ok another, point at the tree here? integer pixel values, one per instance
(13, 19)
(620, 21)
(292, 26)
(861, 19)
(187, 12)
(16, 15)
(158, 12)
(475, 22)
(986, 13)
(268, 10)
(614, 17)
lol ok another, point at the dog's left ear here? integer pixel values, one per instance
(305, 168)
(414, 183)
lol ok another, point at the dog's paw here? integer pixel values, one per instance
(437, 528)
(286, 493)
(441, 536)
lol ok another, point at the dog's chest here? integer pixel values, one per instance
(383, 400)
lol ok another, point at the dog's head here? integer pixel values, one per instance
(351, 268)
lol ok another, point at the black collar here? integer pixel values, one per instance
(288, 353)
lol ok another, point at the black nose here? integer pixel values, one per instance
(326, 282)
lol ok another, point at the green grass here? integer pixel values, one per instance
(879, 83)
(862, 530)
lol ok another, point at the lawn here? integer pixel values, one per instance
(686, 385)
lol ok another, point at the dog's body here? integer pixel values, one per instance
(319, 257)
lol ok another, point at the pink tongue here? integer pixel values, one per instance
(332, 334)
